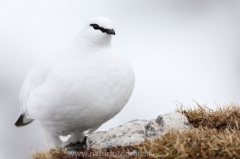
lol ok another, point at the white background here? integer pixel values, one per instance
(180, 50)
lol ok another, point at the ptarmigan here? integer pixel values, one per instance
(84, 86)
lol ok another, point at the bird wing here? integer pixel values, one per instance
(36, 78)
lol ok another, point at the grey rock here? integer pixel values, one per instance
(136, 131)
(130, 133)
(152, 129)
(176, 121)
(96, 136)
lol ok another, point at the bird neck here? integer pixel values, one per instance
(86, 41)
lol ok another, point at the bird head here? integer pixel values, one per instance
(98, 30)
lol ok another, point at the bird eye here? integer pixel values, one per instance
(95, 26)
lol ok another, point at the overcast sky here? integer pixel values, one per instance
(180, 50)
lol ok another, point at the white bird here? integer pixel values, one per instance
(84, 86)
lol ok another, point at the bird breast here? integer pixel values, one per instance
(96, 86)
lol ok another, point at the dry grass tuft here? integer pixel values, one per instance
(226, 117)
(49, 154)
(195, 144)
(215, 134)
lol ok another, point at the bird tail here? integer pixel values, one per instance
(23, 120)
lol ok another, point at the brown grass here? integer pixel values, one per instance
(225, 117)
(195, 144)
(216, 134)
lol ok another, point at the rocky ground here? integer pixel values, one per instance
(188, 133)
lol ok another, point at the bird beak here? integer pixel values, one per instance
(110, 31)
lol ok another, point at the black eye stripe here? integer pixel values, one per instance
(97, 27)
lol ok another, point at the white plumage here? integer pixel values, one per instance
(87, 84)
